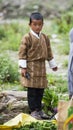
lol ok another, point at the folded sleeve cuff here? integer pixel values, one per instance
(22, 63)
(52, 63)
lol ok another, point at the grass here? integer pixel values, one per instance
(11, 86)
(63, 48)
(65, 63)
(11, 38)
(58, 83)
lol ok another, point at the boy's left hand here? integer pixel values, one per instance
(55, 68)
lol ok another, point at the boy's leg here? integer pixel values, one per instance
(39, 96)
(31, 99)
(32, 103)
(38, 100)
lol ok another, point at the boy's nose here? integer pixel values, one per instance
(37, 27)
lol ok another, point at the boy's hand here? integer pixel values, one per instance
(55, 68)
(23, 71)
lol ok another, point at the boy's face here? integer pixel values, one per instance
(36, 25)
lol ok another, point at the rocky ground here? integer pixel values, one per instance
(11, 104)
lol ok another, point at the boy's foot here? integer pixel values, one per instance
(43, 115)
(36, 115)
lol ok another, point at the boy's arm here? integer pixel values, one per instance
(53, 65)
(23, 67)
(23, 57)
(50, 59)
(22, 63)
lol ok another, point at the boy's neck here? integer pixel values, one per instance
(36, 34)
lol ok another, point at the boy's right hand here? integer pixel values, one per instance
(55, 68)
(23, 71)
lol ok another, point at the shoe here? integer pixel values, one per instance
(43, 115)
(36, 115)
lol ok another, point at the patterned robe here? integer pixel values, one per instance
(35, 51)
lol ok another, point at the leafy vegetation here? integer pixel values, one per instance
(46, 125)
(8, 70)
(50, 99)
(57, 83)
(64, 23)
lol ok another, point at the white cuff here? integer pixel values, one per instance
(22, 63)
(52, 63)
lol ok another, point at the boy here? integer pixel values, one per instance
(70, 66)
(34, 50)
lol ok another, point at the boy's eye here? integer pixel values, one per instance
(36, 24)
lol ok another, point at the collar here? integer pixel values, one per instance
(36, 35)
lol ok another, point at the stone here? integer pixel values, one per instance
(11, 104)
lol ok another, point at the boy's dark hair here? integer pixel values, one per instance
(36, 16)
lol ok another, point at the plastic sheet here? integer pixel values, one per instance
(19, 120)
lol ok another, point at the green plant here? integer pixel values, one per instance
(46, 125)
(8, 70)
(57, 83)
(11, 34)
(64, 23)
(63, 48)
(50, 99)
(65, 63)
(2, 32)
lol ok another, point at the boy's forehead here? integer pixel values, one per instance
(37, 21)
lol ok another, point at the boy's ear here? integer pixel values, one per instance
(29, 24)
